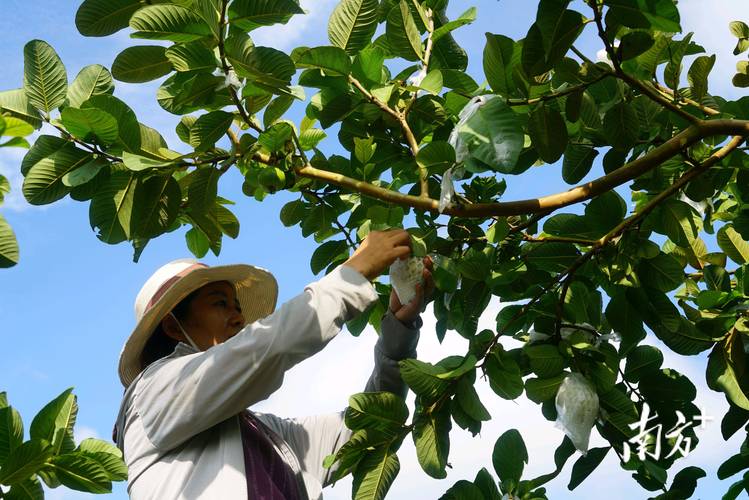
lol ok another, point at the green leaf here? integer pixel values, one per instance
(548, 133)
(733, 244)
(539, 390)
(383, 412)
(11, 431)
(463, 490)
(431, 435)
(187, 92)
(509, 458)
(663, 272)
(17, 104)
(578, 160)
(192, 56)
(15, 127)
(403, 34)
(9, 254)
(662, 14)
(265, 67)
(90, 81)
(310, 138)
(54, 423)
(292, 213)
(635, 43)
(423, 378)
(585, 465)
(641, 361)
(45, 81)
(327, 253)
(30, 489)
(104, 17)
(248, 15)
(668, 385)
(274, 138)
(128, 128)
(725, 370)
(111, 206)
(90, 125)
(197, 242)
(82, 473)
(545, 360)
(141, 63)
(168, 22)
(436, 156)
(504, 375)
(209, 128)
(466, 17)
(136, 163)
(156, 204)
(332, 60)
(352, 24)
(491, 138)
(697, 76)
(24, 461)
(677, 220)
(433, 82)
(43, 182)
(469, 401)
(203, 188)
(621, 126)
(732, 466)
(375, 473)
(487, 485)
(108, 456)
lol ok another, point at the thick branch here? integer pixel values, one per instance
(628, 172)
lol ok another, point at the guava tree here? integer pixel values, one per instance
(430, 147)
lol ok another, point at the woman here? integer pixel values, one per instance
(207, 345)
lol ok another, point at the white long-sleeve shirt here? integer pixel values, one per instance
(178, 425)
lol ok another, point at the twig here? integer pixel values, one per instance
(557, 239)
(413, 144)
(340, 226)
(84, 144)
(705, 109)
(226, 68)
(561, 93)
(634, 82)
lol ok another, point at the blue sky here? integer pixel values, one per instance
(68, 306)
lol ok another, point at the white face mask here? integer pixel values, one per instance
(189, 340)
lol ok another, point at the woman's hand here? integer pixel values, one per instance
(378, 250)
(407, 313)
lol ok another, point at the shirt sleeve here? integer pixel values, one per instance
(186, 395)
(314, 438)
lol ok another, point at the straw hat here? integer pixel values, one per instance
(256, 288)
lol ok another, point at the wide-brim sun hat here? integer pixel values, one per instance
(257, 292)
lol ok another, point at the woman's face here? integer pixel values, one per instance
(214, 315)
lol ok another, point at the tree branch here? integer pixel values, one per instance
(413, 144)
(555, 95)
(634, 82)
(688, 176)
(549, 203)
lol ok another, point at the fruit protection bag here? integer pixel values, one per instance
(405, 274)
(577, 409)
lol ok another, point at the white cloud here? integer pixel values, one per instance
(84, 432)
(10, 167)
(709, 22)
(300, 27)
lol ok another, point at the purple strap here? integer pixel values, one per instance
(268, 476)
